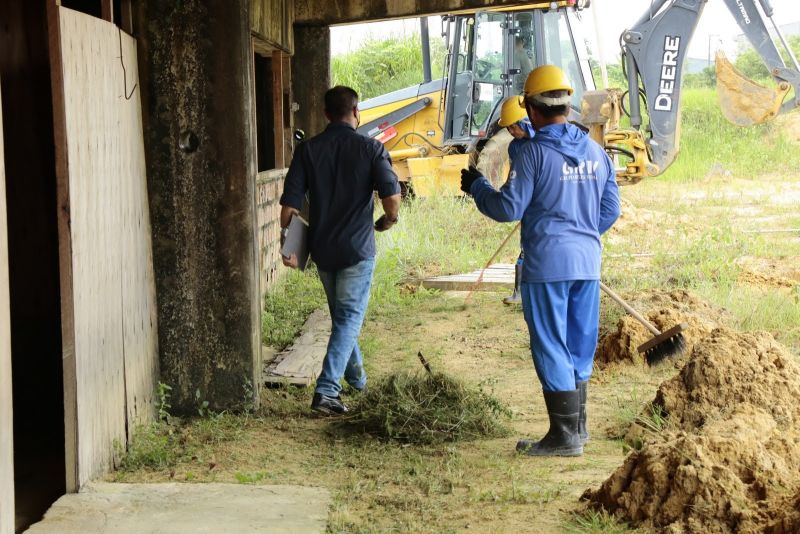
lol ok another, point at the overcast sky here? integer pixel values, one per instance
(716, 28)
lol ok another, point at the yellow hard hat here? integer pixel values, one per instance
(546, 78)
(512, 111)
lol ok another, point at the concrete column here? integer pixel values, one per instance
(311, 76)
(195, 76)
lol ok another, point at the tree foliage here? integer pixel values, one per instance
(749, 62)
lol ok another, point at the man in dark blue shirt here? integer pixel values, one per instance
(340, 169)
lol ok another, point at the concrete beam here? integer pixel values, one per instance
(311, 76)
(195, 63)
(327, 12)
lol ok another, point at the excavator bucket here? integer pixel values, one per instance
(743, 101)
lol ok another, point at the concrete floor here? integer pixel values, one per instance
(105, 508)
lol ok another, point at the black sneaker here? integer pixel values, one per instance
(328, 405)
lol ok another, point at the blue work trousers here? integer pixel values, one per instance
(562, 320)
(348, 295)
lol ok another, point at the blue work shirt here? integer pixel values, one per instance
(563, 187)
(339, 169)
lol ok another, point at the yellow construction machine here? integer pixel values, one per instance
(438, 127)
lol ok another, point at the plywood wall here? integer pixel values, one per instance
(108, 295)
(6, 422)
(271, 23)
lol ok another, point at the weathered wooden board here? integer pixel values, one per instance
(271, 22)
(500, 275)
(301, 363)
(108, 291)
(6, 411)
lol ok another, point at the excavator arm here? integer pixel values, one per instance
(654, 50)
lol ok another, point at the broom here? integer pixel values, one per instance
(663, 345)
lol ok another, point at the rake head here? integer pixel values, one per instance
(664, 346)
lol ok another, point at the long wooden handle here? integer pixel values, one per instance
(636, 315)
(479, 281)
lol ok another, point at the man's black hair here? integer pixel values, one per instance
(340, 101)
(549, 112)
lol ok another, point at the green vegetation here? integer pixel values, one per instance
(710, 143)
(163, 445)
(288, 305)
(427, 408)
(383, 66)
(596, 522)
(749, 62)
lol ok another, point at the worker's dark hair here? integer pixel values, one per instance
(340, 101)
(549, 112)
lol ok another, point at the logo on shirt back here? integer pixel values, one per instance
(585, 170)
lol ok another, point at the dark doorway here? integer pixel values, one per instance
(265, 115)
(37, 379)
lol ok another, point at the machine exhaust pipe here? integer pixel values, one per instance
(426, 50)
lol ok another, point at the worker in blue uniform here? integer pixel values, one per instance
(562, 186)
(514, 119)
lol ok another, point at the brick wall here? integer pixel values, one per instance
(269, 186)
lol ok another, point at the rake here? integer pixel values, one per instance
(663, 345)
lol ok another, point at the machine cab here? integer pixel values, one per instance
(490, 54)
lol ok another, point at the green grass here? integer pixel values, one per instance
(427, 408)
(709, 142)
(595, 522)
(165, 444)
(288, 305)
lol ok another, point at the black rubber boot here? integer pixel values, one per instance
(515, 297)
(583, 388)
(562, 439)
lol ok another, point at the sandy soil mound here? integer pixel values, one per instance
(731, 478)
(664, 310)
(728, 462)
(766, 272)
(728, 369)
(787, 522)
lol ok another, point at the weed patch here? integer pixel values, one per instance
(426, 409)
(288, 305)
(163, 445)
(595, 522)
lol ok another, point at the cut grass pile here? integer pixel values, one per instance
(427, 408)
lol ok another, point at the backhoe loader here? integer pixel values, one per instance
(440, 126)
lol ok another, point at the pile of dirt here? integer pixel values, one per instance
(664, 310)
(729, 369)
(728, 459)
(773, 273)
(730, 478)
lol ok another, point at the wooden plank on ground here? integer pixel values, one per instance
(6, 411)
(497, 276)
(108, 298)
(301, 363)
